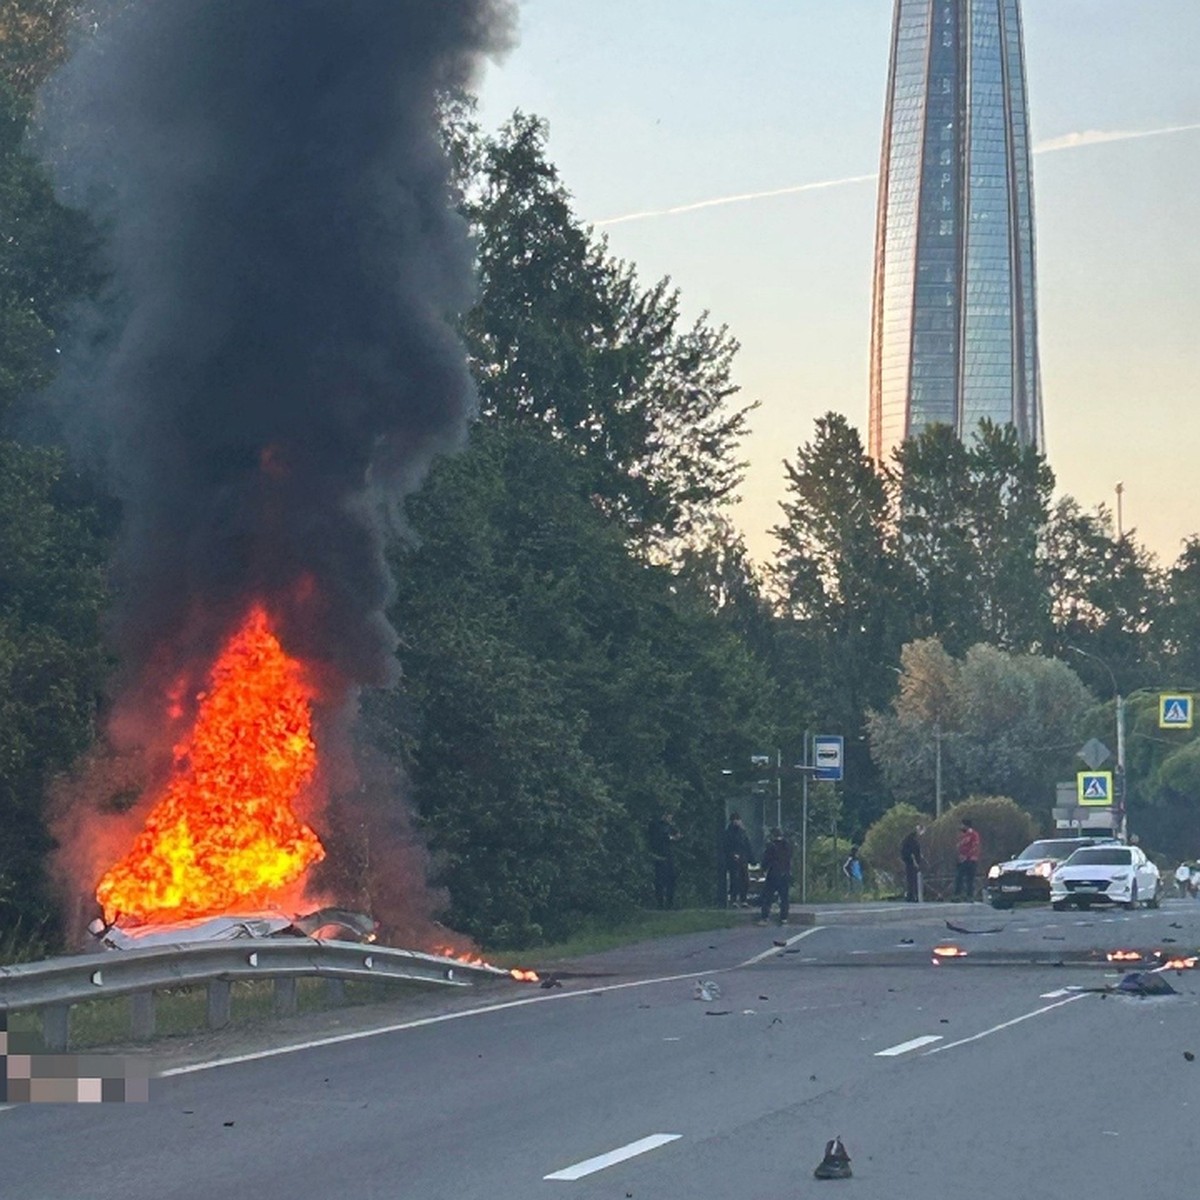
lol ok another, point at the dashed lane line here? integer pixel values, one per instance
(1037, 1012)
(590, 1166)
(905, 1047)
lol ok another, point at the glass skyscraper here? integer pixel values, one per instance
(954, 320)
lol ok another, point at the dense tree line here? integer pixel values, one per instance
(583, 635)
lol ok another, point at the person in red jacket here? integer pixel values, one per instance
(969, 848)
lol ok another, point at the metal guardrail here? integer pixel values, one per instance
(54, 985)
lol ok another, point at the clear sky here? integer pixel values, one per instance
(658, 104)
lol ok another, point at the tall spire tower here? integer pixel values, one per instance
(954, 319)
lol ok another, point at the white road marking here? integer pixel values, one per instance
(905, 1047)
(420, 1023)
(1037, 1012)
(590, 1166)
(1054, 995)
(798, 937)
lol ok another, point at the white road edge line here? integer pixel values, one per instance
(1037, 1012)
(590, 1166)
(421, 1022)
(798, 937)
(905, 1047)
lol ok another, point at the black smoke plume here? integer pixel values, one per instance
(278, 363)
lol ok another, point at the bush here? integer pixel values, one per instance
(881, 847)
(1005, 828)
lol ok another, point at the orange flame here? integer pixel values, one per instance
(1124, 956)
(224, 835)
(1180, 964)
(949, 952)
(474, 960)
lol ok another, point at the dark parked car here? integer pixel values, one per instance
(1027, 877)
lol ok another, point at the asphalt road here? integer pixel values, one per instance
(989, 1077)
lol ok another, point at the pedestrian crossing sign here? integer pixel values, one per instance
(1094, 788)
(1175, 712)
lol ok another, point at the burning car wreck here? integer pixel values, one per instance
(337, 924)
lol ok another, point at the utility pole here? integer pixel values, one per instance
(937, 767)
(804, 826)
(1120, 490)
(1123, 810)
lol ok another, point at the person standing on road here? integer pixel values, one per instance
(777, 863)
(1183, 878)
(852, 869)
(910, 852)
(661, 837)
(970, 846)
(738, 853)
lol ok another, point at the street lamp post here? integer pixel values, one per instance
(1120, 706)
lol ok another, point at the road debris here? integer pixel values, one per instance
(706, 990)
(1189, 1056)
(906, 941)
(836, 1163)
(551, 981)
(717, 1012)
(963, 929)
(1145, 983)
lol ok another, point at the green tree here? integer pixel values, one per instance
(567, 342)
(1006, 725)
(52, 551)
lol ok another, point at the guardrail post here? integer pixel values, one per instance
(56, 1026)
(286, 1003)
(335, 991)
(141, 1016)
(219, 1003)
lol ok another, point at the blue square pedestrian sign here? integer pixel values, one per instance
(1094, 788)
(1175, 711)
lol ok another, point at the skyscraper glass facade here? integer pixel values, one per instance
(954, 322)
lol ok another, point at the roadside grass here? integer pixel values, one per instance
(642, 927)
(181, 1011)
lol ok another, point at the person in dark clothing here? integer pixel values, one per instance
(661, 837)
(910, 852)
(777, 862)
(738, 853)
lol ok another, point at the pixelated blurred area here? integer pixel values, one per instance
(29, 1076)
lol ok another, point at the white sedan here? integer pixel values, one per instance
(1105, 875)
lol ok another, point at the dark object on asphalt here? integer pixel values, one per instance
(1176, 925)
(1145, 983)
(717, 1012)
(764, 997)
(551, 981)
(906, 941)
(776, 1020)
(1167, 939)
(227, 1124)
(836, 1163)
(777, 942)
(963, 929)
(943, 1020)
(812, 1079)
(1189, 1056)
(1052, 937)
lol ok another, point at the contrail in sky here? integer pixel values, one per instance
(1066, 141)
